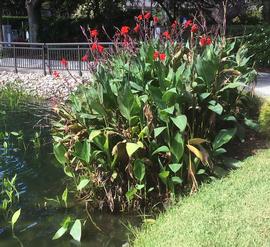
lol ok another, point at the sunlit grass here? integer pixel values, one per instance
(233, 211)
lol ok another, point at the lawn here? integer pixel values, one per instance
(234, 211)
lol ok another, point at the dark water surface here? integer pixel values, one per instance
(39, 176)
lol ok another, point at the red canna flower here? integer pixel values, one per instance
(56, 74)
(204, 41)
(137, 28)
(194, 28)
(209, 41)
(85, 58)
(188, 24)
(167, 35)
(155, 19)
(97, 47)
(125, 30)
(147, 16)
(94, 33)
(64, 62)
(162, 56)
(140, 17)
(100, 48)
(156, 55)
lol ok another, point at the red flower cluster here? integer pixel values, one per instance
(97, 47)
(167, 35)
(64, 62)
(204, 41)
(194, 28)
(93, 33)
(188, 24)
(155, 19)
(125, 30)
(137, 28)
(161, 56)
(56, 74)
(85, 58)
(147, 16)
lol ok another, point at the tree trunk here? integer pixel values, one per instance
(34, 16)
(1, 22)
(266, 10)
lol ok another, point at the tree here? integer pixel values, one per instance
(212, 8)
(266, 10)
(33, 8)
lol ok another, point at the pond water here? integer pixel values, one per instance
(40, 177)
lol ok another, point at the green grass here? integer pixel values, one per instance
(234, 211)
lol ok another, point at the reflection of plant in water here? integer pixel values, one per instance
(8, 196)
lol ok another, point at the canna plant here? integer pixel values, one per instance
(155, 118)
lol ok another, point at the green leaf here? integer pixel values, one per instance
(83, 183)
(59, 151)
(15, 217)
(177, 147)
(93, 134)
(132, 148)
(223, 137)
(131, 193)
(76, 230)
(61, 231)
(251, 124)
(203, 96)
(65, 196)
(175, 167)
(219, 151)
(180, 122)
(177, 180)
(164, 176)
(158, 131)
(139, 170)
(83, 150)
(216, 108)
(200, 172)
(162, 149)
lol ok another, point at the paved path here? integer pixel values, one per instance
(263, 85)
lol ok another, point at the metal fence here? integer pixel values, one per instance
(44, 56)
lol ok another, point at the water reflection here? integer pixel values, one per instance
(39, 177)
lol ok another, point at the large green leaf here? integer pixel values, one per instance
(125, 102)
(139, 170)
(177, 147)
(83, 183)
(15, 217)
(133, 147)
(59, 151)
(83, 150)
(61, 231)
(76, 230)
(216, 108)
(180, 122)
(175, 167)
(158, 131)
(162, 149)
(223, 137)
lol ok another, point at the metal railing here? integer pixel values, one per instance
(45, 56)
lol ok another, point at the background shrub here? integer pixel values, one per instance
(264, 118)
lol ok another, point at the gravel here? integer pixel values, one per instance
(47, 87)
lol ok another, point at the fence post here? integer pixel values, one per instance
(80, 61)
(43, 59)
(15, 58)
(49, 59)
